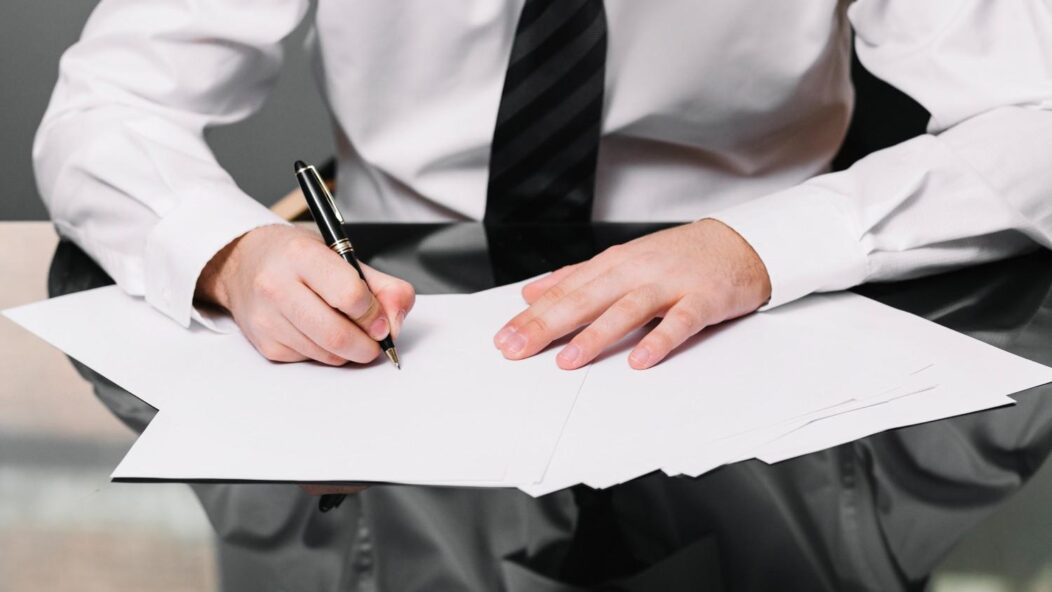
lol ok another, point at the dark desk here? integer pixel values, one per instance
(878, 513)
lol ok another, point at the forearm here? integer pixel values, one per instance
(975, 188)
(120, 156)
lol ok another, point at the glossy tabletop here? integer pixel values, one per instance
(878, 513)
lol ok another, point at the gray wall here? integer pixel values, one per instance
(258, 152)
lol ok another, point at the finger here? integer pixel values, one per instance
(632, 311)
(575, 278)
(396, 296)
(289, 336)
(533, 290)
(578, 275)
(316, 490)
(338, 284)
(534, 329)
(683, 320)
(327, 327)
(276, 352)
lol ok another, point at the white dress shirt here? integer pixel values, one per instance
(729, 108)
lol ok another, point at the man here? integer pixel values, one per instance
(726, 113)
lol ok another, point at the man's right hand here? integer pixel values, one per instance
(295, 300)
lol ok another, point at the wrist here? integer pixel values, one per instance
(212, 282)
(749, 273)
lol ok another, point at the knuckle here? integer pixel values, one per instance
(348, 299)
(578, 299)
(627, 307)
(405, 287)
(266, 286)
(554, 294)
(614, 252)
(650, 259)
(366, 354)
(659, 341)
(335, 340)
(683, 320)
(263, 324)
(632, 305)
(537, 326)
(332, 360)
(299, 246)
(370, 308)
(639, 302)
(566, 270)
(357, 300)
(273, 352)
(590, 340)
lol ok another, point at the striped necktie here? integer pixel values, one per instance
(546, 141)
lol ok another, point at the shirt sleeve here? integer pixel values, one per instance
(976, 187)
(120, 156)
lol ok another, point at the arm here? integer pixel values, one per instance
(120, 156)
(124, 169)
(977, 187)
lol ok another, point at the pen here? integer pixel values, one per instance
(330, 223)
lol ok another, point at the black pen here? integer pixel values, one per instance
(330, 223)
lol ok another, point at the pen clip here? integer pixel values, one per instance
(332, 203)
(325, 190)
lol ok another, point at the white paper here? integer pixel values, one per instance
(756, 371)
(812, 374)
(743, 446)
(455, 411)
(970, 376)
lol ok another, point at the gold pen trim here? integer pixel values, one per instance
(342, 246)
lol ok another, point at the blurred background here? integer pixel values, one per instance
(63, 525)
(33, 35)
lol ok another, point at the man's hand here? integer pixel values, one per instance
(295, 300)
(694, 276)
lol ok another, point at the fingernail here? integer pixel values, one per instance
(515, 343)
(379, 329)
(503, 336)
(640, 357)
(569, 354)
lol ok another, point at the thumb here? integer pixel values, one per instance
(396, 296)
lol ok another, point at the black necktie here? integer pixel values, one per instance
(546, 141)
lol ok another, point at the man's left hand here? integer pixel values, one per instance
(692, 276)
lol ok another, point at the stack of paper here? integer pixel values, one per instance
(809, 375)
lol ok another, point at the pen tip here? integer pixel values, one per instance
(392, 355)
(298, 165)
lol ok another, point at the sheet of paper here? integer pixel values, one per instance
(743, 446)
(456, 411)
(814, 355)
(756, 371)
(971, 376)
(812, 374)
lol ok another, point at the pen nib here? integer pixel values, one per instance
(392, 354)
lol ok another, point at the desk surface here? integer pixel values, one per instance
(880, 512)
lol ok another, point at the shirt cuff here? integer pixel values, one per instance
(805, 237)
(184, 241)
